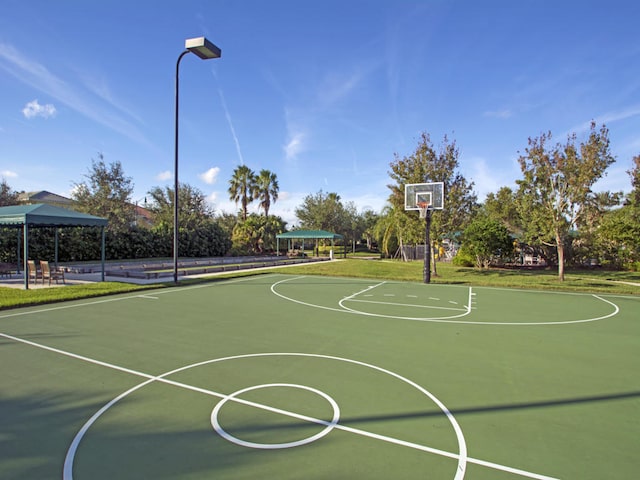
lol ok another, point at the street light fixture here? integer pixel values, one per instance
(206, 50)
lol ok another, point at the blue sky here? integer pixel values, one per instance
(323, 93)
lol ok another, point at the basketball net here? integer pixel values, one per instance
(422, 208)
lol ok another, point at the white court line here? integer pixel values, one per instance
(345, 309)
(472, 303)
(465, 311)
(409, 305)
(369, 288)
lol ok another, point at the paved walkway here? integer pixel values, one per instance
(17, 280)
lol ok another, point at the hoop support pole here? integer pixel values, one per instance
(427, 247)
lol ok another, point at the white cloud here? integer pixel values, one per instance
(230, 123)
(286, 206)
(489, 177)
(8, 174)
(34, 109)
(164, 176)
(222, 204)
(37, 76)
(609, 117)
(294, 146)
(210, 176)
(374, 201)
(336, 87)
(283, 196)
(617, 179)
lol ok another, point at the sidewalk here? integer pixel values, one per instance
(72, 278)
(17, 281)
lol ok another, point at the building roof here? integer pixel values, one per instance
(44, 197)
(47, 216)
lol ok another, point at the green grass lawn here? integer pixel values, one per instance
(579, 281)
(596, 281)
(12, 297)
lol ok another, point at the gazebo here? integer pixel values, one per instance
(306, 235)
(42, 215)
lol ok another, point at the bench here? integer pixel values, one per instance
(7, 269)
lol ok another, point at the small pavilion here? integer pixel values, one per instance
(306, 235)
(41, 215)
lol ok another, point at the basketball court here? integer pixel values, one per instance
(283, 376)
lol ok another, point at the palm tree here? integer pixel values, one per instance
(266, 190)
(242, 187)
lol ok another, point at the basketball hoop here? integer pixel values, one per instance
(422, 208)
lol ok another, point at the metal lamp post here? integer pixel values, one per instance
(206, 50)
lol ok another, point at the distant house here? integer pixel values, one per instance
(48, 198)
(144, 216)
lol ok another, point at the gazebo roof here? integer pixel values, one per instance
(43, 215)
(304, 234)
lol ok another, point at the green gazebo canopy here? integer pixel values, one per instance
(42, 215)
(306, 235)
(309, 234)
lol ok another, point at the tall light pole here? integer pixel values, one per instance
(206, 50)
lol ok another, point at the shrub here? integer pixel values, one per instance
(464, 258)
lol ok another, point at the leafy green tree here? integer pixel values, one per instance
(503, 206)
(273, 226)
(353, 225)
(257, 234)
(634, 173)
(369, 220)
(557, 183)
(428, 164)
(242, 188)
(618, 237)
(107, 193)
(322, 211)
(227, 222)
(199, 234)
(618, 232)
(7, 195)
(266, 190)
(584, 245)
(487, 239)
(389, 229)
(194, 208)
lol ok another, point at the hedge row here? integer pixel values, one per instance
(83, 244)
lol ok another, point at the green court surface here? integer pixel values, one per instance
(281, 376)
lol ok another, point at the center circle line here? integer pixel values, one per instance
(328, 425)
(461, 456)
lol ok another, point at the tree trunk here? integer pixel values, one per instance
(560, 246)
